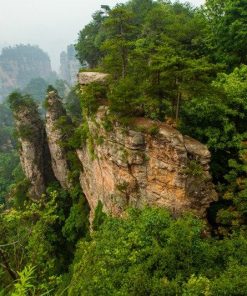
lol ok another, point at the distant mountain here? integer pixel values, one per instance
(20, 64)
(69, 65)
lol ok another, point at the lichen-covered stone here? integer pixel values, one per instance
(133, 168)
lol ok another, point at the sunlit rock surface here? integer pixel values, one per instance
(147, 165)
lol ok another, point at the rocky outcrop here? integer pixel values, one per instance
(85, 78)
(151, 164)
(146, 163)
(55, 119)
(41, 147)
(34, 155)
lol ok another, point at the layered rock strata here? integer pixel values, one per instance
(151, 164)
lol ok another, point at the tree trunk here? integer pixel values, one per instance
(179, 97)
(124, 62)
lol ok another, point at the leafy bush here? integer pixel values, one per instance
(17, 101)
(194, 169)
(150, 253)
(92, 96)
(24, 284)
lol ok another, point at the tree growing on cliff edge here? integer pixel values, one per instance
(90, 40)
(120, 29)
(17, 101)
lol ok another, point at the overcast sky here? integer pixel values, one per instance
(51, 24)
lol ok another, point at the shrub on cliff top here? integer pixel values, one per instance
(17, 101)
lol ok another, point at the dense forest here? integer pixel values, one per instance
(168, 62)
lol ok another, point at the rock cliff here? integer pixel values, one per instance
(55, 115)
(150, 164)
(33, 149)
(142, 163)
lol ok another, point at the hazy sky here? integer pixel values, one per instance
(51, 24)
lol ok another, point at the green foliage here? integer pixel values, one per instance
(90, 38)
(232, 281)
(122, 187)
(42, 234)
(99, 216)
(150, 253)
(19, 192)
(73, 106)
(91, 147)
(197, 286)
(84, 132)
(8, 172)
(76, 225)
(50, 87)
(26, 132)
(228, 30)
(17, 101)
(220, 122)
(92, 97)
(24, 284)
(153, 130)
(194, 169)
(165, 61)
(119, 27)
(108, 124)
(25, 106)
(157, 65)
(124, 97)
(6, 118)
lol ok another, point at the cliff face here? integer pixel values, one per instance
(136, 168)
(146, 163)
(55, 113)
(42, 154)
